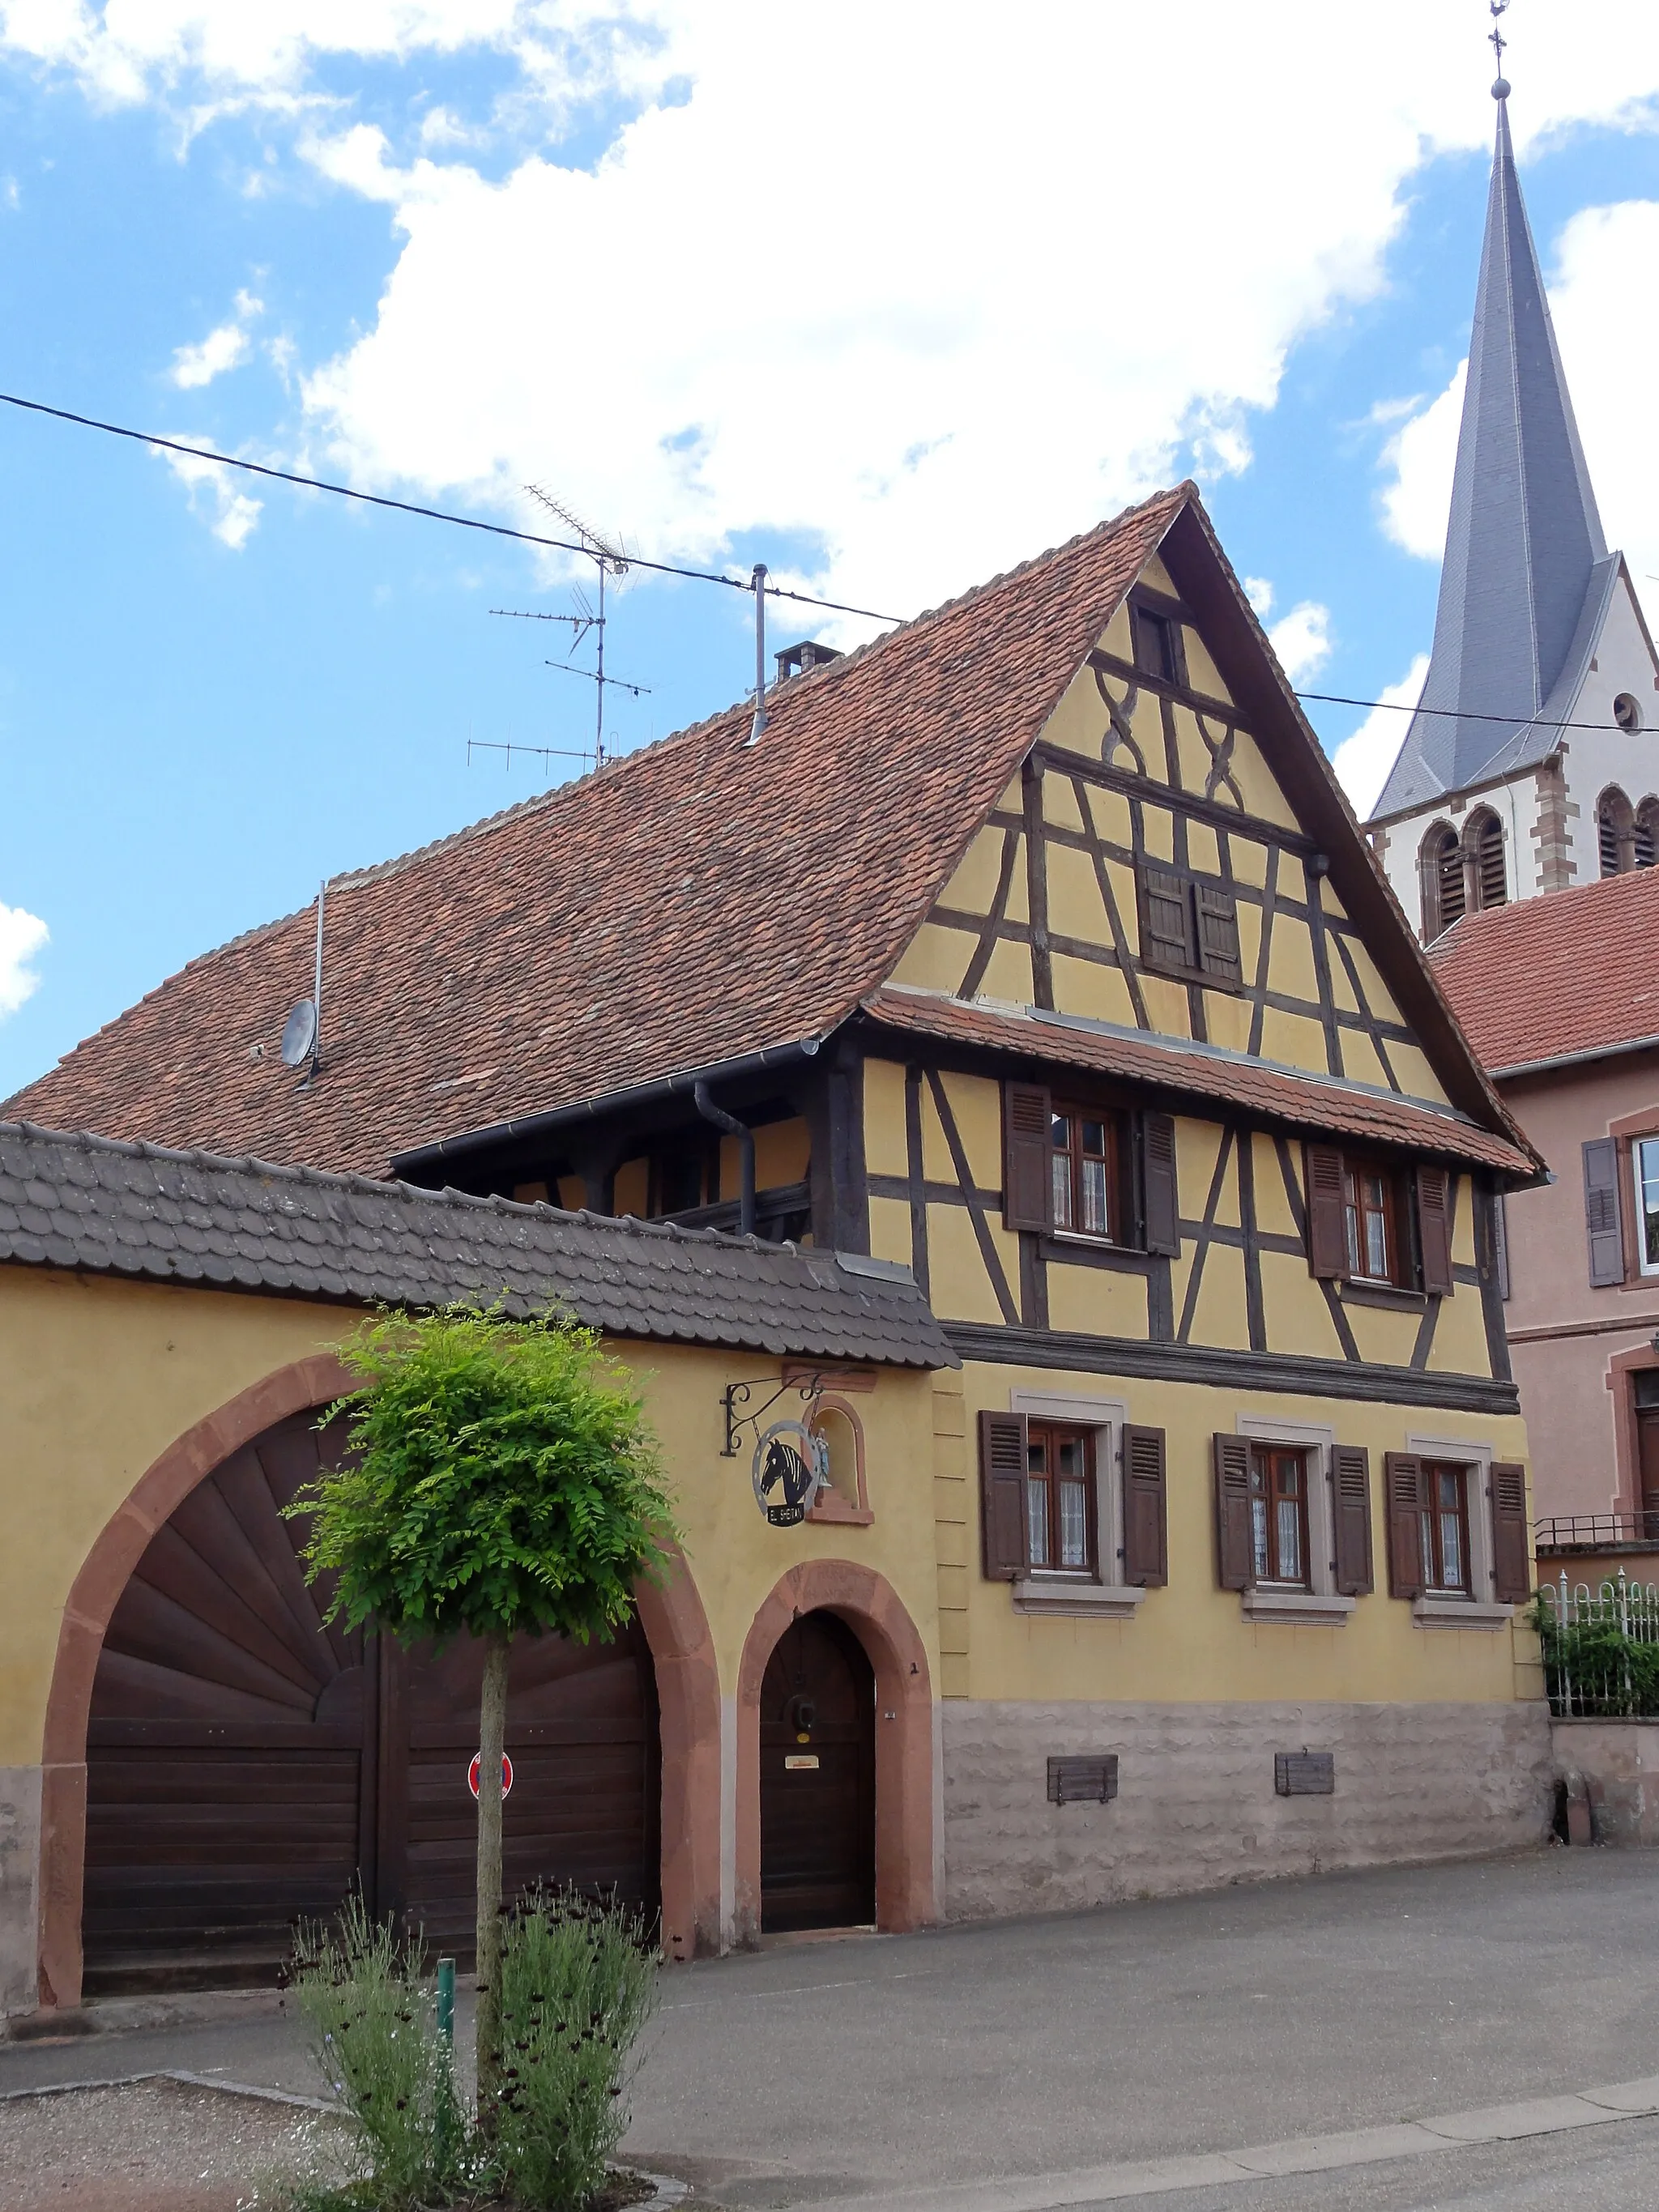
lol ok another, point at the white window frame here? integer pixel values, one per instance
(1442, 1609)
(1319, 1605)
(1054, 1590)
(1644, 1265)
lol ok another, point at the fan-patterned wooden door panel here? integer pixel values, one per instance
(247, 1764)
(230, 1745)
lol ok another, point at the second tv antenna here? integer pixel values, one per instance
(610, 561)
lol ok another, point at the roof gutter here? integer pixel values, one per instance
(1573, 1059)
(471, 1141)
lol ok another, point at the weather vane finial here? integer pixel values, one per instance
(1497, 41)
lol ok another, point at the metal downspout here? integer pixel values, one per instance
(745, 1137)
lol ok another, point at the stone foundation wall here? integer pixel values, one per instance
(19, 1880)
(1615, 1765)
(1196, 1805)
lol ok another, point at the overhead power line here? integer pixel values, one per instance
(429, 513)
(744, 584)
(1459, 713)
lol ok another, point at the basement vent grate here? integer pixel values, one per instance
(1304, 1773)
(1082, 1780)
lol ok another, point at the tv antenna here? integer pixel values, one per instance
(302, 1032)
(609, 560)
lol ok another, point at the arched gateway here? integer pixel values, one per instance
(247, 1764)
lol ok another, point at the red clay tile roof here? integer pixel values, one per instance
(692, 903)
(1303, 1102)
(1564, 973)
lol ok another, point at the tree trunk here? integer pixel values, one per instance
(492, 1730)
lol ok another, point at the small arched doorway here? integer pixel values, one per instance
(246, 1766)
(817, 1780)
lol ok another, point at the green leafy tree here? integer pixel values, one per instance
(503, 1482)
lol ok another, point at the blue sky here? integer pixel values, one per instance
(889, 329)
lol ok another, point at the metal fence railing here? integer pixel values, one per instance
(1600, 1647)
(1587, 1531)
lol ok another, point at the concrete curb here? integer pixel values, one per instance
(1105, 2185)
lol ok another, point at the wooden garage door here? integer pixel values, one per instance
(229, 1750)
(581, 1732)
(246, 1765)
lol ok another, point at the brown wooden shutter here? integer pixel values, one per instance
(1166, 920)
(1217, 932)
(1002, 1495)
(1606, 1249)
(1160, 1204)
(1028, 1189)
(1351, 1482)
(1403, 1475)
(1434, 1228)
(1327, 1228)
(1145, 1514)
(1234, 1550)
(1511, 1552)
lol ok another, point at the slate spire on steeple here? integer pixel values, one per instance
(1524, 540)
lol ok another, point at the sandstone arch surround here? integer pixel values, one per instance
(872, 1609)
(670, 1612)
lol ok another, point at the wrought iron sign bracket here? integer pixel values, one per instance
(737, 1394)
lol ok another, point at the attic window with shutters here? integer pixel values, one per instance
(1188, 926)
(1076, 1168)
(1361, 1213)
(1157, 640)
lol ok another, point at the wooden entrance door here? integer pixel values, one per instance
(817, 1793)
(246, 1766)
(230, 1748)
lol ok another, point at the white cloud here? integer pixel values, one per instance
(1607, 321)
(223, 348)
(1422, 454)
(215, 493)
(1260, 594)
(1302, 639)
(1362, 761)
(1606, 318)
(23, 937)
(795, 292)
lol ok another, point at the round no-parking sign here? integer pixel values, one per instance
(507, 1776)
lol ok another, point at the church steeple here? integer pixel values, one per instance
(1524, 537)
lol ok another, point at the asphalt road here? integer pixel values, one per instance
(829, 2070)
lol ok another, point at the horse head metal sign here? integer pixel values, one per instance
(791, 1465)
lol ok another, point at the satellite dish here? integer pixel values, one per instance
(300, 1034)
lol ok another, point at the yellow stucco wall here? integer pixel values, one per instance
(100, 1376)
(1192, 1641)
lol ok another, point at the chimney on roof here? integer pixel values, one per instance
(796, 660)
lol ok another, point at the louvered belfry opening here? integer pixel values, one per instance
(247, 1765)
(1615, 833)
(1440, 867)
(1484, 840)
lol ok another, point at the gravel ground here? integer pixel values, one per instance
(152, 2147)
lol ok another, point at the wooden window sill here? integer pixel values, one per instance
(1296, 1608)
(1095, 1600)
(1459, 1613)
(1382, 1294)
(836, 1512)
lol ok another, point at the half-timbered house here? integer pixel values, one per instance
(1033, 950)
